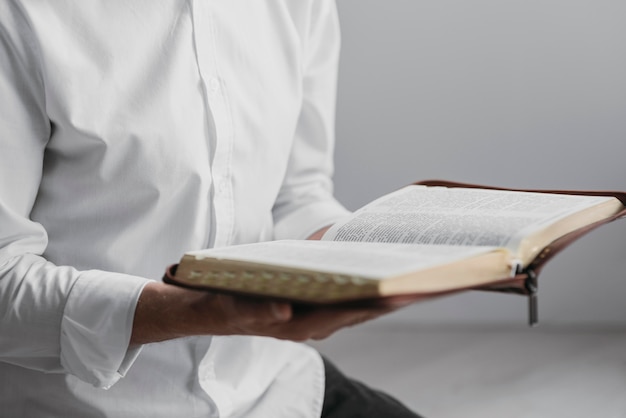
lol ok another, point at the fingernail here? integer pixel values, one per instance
(279, 311)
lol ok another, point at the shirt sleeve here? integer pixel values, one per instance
(305, 202)
(54, 319)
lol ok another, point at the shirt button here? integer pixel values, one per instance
(214, 85)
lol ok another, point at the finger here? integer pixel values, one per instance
(322, 323)
(248, 315)
(394, 302)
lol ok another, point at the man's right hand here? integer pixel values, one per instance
(165, 311)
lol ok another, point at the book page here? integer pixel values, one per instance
(457, 216)
(368, 260)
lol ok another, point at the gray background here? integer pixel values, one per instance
(528, 94)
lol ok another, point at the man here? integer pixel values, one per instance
(132, 131)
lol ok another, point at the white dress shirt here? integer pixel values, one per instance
(132, 131)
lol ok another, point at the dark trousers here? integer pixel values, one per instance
(347, 398)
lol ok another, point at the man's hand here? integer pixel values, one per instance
(166, 311)
(247, 316)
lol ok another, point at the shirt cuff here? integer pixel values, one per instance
(306, 220)
(97, 324)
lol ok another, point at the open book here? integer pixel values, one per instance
(421, 239)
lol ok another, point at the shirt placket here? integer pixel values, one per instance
(220, 135)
